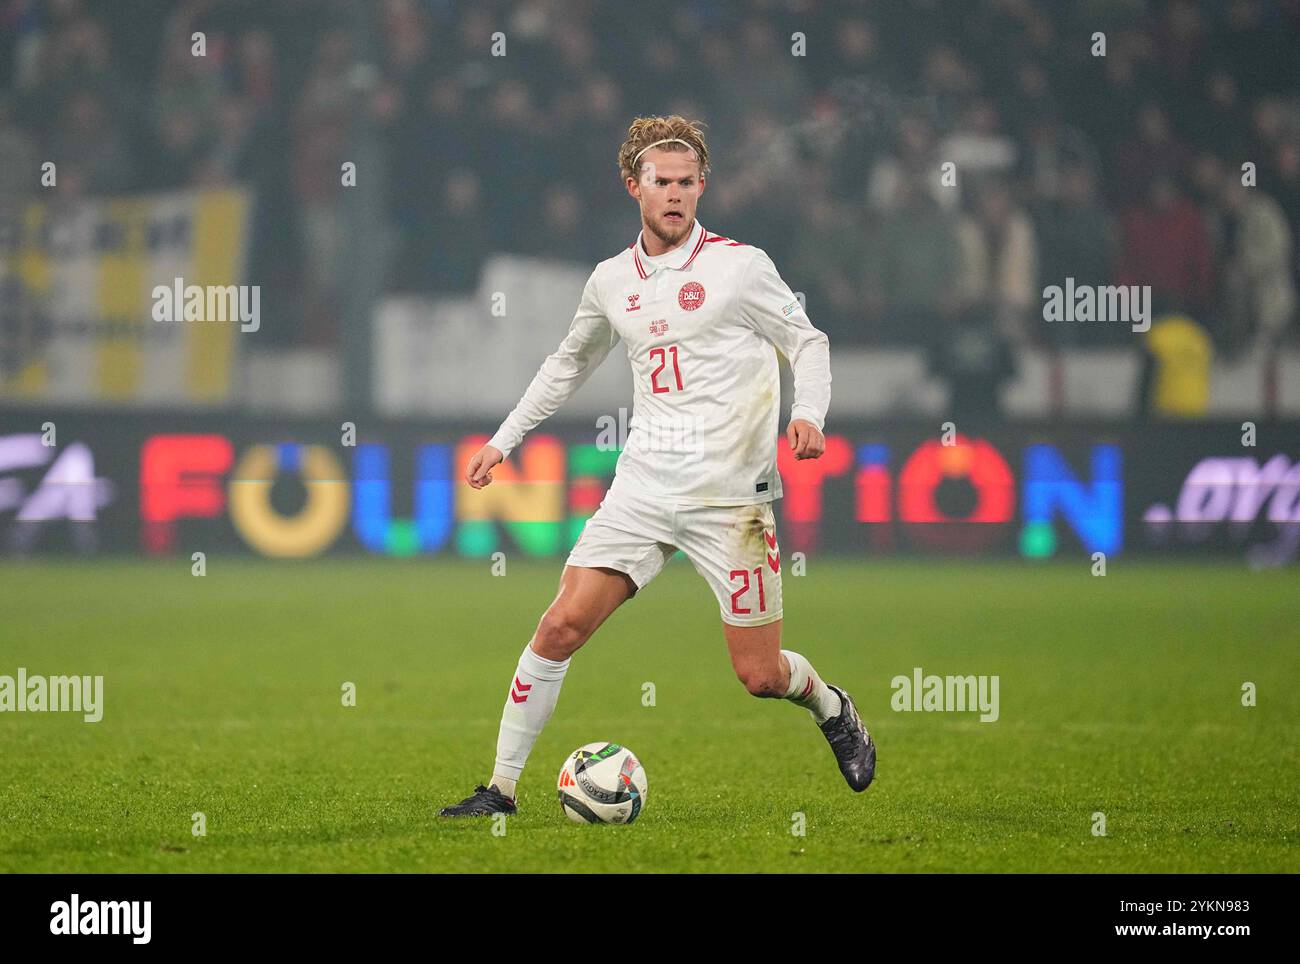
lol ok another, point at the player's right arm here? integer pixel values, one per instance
(589, 340)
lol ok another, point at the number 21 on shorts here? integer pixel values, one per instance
(736, 608)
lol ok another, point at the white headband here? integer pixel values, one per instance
(666, 140)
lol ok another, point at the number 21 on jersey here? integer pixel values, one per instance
(662, 354)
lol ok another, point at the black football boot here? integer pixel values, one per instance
(483, 802)
(849, 739)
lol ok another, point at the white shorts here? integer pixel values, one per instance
(733, 547)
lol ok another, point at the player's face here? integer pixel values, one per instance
(668, 189)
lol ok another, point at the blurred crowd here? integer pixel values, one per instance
(1170, 158)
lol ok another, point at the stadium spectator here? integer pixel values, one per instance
(1165, 244)
(914, 153)
(93, 156)
(1152, 153)
(828, 262)
(913, 268)
(1259, 291)
(978, 147)
(1285, 177)
(320, 126)
(1000, 262)
(1077, 239)
(448, 240)
(1053, 147)
(19, 157)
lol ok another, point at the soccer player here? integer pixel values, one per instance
(699, 314)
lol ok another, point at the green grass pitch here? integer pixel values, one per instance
(1119, 695)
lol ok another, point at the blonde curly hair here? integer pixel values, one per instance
(645, 131)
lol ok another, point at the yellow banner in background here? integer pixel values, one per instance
(77, 318)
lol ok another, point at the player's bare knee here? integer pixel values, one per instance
(763, 683)
(559, 634)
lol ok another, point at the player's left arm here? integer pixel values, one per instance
(769, 306)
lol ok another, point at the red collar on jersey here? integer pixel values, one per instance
(690, 248)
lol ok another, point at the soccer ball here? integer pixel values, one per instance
(602, 783)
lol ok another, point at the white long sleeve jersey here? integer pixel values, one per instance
(700, 323)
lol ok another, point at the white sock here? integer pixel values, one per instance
(808, 690)
(534, 691)
(504, 784)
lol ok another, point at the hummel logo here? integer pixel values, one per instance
(773, 560)
(632, 302)
(519, 691)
